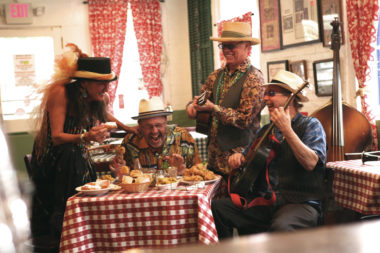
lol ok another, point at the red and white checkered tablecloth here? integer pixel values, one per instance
(119, 221)
(357, 186)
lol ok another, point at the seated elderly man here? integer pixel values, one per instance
(156, 142)
(286, 192)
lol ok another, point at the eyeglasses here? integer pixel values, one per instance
(229, 46)
(272, 93)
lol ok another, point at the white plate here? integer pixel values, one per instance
(93, 192)
(114, 187)
(171, 186)
(205, 182)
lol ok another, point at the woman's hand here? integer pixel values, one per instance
(97, 133)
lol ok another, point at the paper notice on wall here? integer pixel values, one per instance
(25, 73)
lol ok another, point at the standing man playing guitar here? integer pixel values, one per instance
(286, 195)
(234, 98)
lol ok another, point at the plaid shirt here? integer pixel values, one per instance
(178, 140)
(314, 138)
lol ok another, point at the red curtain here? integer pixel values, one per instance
(108, 22)
(244, 18)
(147, 23)
(361, 16)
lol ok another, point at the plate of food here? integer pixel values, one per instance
(187, 180)
(95, 188)
(115, 187)
(199, 173)
(166, 183)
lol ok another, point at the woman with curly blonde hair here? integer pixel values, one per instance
(71, 114)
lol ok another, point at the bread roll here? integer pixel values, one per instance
(127, 180)
(124, 170)
(136, 173)
(142, 179)
(103, 183)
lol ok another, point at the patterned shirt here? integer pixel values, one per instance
(245, 115)
(178, 141)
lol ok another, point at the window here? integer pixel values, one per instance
(231, 9)
(130, 89)
(24, 61)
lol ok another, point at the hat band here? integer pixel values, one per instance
(150, 112)
(276, 81)
(226, 34)
(94, 75)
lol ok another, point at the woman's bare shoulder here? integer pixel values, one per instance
(57, 96)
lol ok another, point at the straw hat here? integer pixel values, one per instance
(236, 31)
(151, 108)
(95, 69)
(288, 81)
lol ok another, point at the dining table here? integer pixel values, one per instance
(117, 220)
(356, 185)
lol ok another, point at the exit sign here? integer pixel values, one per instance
(18, 13)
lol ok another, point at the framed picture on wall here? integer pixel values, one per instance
(330, 9)
(299, 22)
(274, 66)
(299, 68)
(323, 77)
(270, 25)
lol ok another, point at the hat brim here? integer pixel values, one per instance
(151, 115)
(253, 41)
(95, 80)
(286, 87)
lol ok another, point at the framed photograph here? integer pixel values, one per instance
(329, 10)
(274, 66)
(323, 77)
(270, 25)
(299, 22)
(299, 68)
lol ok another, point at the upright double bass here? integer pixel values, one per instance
(347, 129)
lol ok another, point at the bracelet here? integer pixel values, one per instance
(82, 138)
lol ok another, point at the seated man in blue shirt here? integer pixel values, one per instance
(287, 191)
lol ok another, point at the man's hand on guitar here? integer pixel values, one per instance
(281, 119)
(236, 160)
(208, 106)
(190, 110)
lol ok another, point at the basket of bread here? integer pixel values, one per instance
(136, 181)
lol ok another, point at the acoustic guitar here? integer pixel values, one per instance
(242, 179)
(203, 118)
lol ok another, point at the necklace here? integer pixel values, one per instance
(220, 89)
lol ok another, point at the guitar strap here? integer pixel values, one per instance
(242, 202)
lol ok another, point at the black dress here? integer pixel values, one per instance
(56, 174)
